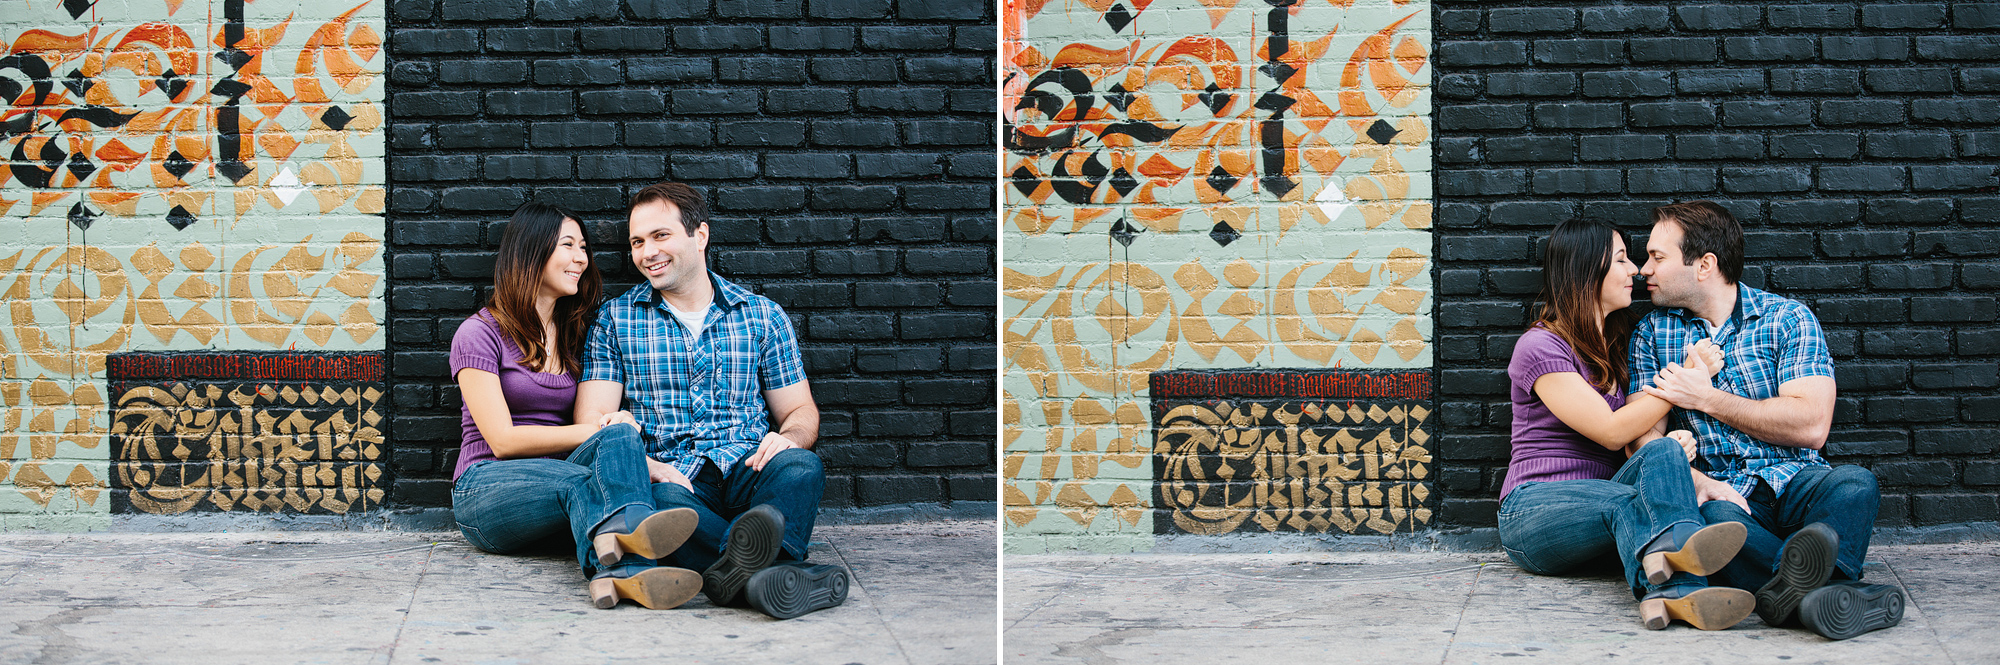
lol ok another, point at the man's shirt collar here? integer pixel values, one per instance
(1751, 303)
(728, 295)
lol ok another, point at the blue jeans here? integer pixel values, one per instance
(1844, 497)
(792, 482)
(1549, 528)
(510, 505)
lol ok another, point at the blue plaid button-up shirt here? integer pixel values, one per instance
(699, 400)
(1770, 339)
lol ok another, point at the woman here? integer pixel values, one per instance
(1566, 500)
(524, 473)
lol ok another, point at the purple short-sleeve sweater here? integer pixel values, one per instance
(1544, 448)
(533, 398)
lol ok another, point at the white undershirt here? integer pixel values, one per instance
(693, 321)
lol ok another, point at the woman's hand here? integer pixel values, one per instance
(1686, 439)
(662, 472)
(616, 417)
(1685, 387)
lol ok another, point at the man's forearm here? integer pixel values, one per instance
(1783, 420)
(801, 426)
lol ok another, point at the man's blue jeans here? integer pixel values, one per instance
(1844, 497)
(510, 505)
(1549, 528)
(792, 482)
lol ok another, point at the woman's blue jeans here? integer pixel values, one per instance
(510, 505)
(1549, 528)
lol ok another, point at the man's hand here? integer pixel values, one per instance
(662, 472)
(1686, 439)
(1708, 489)
(772, 444)
(1704, 353)
(1685, 387)
(616, 417)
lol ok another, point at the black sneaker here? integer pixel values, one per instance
(1845, 609)
(787, 590)
(754, 539)
(1806, 562)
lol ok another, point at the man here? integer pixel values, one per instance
(1759, 426)
(713, 375)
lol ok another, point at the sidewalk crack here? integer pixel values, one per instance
(410, 605)
(1460, 624)
(872, 604)
(1929, 625)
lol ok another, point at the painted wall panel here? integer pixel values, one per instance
(181, 176)
(1196, 185)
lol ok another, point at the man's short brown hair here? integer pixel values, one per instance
(694, 210)
(1707, 228)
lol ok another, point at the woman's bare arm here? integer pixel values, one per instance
(481, 391)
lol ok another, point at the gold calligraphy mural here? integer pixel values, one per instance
(180, 177)
(1192, 184)
(179, 447)
(1283, 465)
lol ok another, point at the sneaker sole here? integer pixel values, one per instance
(653, 588)
(1806, 564)
(789, 591)
(1705, 552)
(1841, 611)
(753, 544)
(1711, 608)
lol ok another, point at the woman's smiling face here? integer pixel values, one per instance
(566, 264)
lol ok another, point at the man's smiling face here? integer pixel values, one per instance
(664, 252)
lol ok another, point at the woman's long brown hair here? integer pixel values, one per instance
(525, 249)
(1574, 264)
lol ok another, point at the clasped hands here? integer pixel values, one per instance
(1689, 385)
(662, 472)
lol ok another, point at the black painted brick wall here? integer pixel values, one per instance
(845, 147)
(1858, 144)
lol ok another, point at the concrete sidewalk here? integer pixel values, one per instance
(1404, 607)
(923, 593)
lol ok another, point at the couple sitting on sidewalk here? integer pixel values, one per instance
(710, 470)
(1736, 498)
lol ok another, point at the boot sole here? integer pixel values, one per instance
(787, 591)
(1711, 608)
(1704, 553)
(657, 536)
(753, 544)
(1806, 564)
(653, 588)
(1840, 611)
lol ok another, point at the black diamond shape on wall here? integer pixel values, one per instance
(78, 83)
(233, 170)
(1279, 71)
(230, 88)
(1221, 180)
(1123, 181)
(335, 118)
(180, 218)
(81, 166)
(1216, 101)
(1381, 132)
(1223, 234)
(1117, 17)
(1025, 181)
(172, 83)
(76, 8)
(1123, 233)
(177, 165)
(234, 57)
(81, 217)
